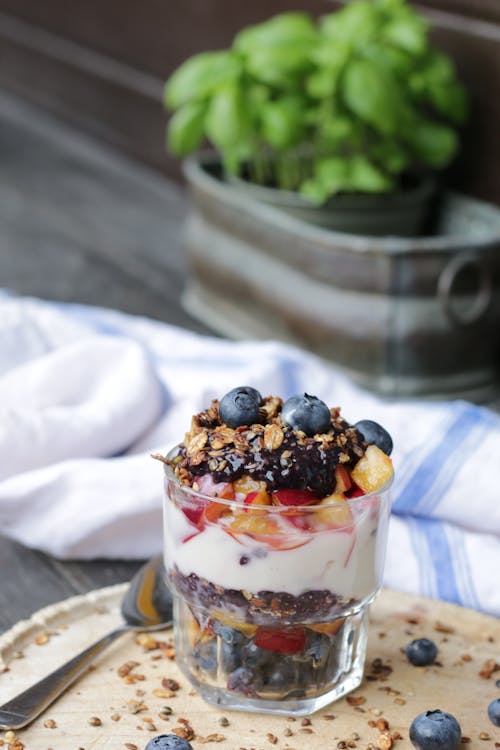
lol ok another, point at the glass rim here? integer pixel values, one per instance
(351, 501)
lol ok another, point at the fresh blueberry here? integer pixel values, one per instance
(435, 730)
(280, 677)
(205, 655)
(241, 681)
(228, 635)
(240, 406)
(230, 647)
(168, 742)
(254, 656)
(308, 414)
(319, 650)
(494, 712)
(421, 652)
(374, 434)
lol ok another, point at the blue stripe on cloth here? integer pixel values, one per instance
(424, 573)
(440, 554)
(421, 481)
(463, 567)
(292, 384)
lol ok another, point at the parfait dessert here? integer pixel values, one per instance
(275, 530)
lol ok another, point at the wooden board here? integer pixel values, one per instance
(466, 640)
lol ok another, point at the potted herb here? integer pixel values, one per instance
(341, 121)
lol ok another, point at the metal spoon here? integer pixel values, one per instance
(147, 605)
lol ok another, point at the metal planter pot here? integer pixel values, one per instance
(401, 214)
(403, 316)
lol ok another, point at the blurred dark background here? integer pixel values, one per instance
(101, 65)
(91, 205)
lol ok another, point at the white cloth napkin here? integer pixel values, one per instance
(86, 394)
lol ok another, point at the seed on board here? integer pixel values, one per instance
(95, 721)
(49, 724)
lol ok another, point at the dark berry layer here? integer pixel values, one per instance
(262, 607)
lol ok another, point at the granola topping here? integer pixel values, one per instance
(270, 451)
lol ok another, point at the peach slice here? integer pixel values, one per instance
(245, 485)
(262, 528)
(373, 470)
(243, 627)
(342, 480)
(214, 511)
(335, 513)
(328, 628)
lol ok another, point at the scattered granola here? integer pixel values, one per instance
(210, 738)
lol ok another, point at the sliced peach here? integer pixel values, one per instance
(245, 485)
(264, 529)
(196, 633)
(214, 511)
(373, 470)
(335, 512)
(329, 628)
(343, 480)
(243, 627)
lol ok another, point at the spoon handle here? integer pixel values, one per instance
(21, 710)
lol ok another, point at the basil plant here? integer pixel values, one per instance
(351, 102)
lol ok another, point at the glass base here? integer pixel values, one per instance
(285, 670)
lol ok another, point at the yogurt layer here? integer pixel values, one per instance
(345, 562)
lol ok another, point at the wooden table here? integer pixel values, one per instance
(80, 223)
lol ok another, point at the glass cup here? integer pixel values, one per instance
(271, 602)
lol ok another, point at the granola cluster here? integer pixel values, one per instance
(269, 451)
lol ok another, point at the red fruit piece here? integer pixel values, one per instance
(193, 513)
(288, 641)
(295, 497)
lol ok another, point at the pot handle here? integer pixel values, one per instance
(484, 293)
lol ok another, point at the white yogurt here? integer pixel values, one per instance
(344, 562)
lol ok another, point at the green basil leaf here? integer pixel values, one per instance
(277, 66)
(227, 122)
(450, 100)
(186, 128)
(285, 28)
(282, 122)
(365, 177)
(373, 95)
(392, 156)
(199, 76)
(409, 32)
(314, 190)
(356, 22)
(333, 174)
(433, 143)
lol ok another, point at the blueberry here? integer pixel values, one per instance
(240, 406)
(281, 677)
(421, 652)
(254, 656)
(205, 655)
(168, 742)
(308, 414)
(319, 650)
(227, 634)
(494, 712)
(435, 730)
(374, 434)
(241, 681)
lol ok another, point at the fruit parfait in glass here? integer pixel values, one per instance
(276, 522)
